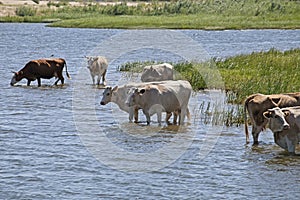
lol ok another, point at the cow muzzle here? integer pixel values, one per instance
(102, 103)
(286, 127)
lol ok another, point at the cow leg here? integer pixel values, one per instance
(147, 116)
(181, 117)
(256, 131)
(133, 112)
(28, 82)
(60, 77)
(175, 117)
(39, 82)
(98, 79)
(103, 77)
(136, 114)
(168, 116)
(291, 146)
(159, 118)
(62, 81)
(93, 78)
(130, 114)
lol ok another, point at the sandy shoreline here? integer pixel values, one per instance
(8, 7)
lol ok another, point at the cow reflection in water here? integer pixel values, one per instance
(42, 68)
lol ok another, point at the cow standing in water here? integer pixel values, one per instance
(98, 67)
(285, 124)
(42, 68)
(257, 104)
(172, 96)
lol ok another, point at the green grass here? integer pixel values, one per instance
(207, 22)
(262, 72)
(183, 14)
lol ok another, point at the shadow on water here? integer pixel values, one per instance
(43, 87)
(271, 155)
(94, 86)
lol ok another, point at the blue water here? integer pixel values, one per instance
(50, 149)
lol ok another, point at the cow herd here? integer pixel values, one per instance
(159, 92)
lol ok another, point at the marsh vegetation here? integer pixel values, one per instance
(182, 14)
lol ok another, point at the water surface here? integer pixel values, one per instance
(43, 155)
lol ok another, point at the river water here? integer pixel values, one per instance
(59, 143)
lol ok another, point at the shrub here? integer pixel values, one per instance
(25, 11)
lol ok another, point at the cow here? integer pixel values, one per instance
(42, 68)
(157, 98)
(98, 67)
(118, 95)
(257, 104)
(160, 72)
(285, 124)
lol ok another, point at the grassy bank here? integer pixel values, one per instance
(263, 72)
(187, 14)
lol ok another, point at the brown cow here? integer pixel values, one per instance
(257, 104)
(42, 68)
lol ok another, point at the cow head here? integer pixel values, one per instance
(90, 60)
(107, 94)
(277, 121)
(133, 96)
(16, 77)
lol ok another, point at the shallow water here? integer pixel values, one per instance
(57, 142)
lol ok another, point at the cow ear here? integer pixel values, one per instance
(115, 88)
(267, 114)
(142, 91)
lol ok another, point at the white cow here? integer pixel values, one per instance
(285, 124)
(118, 95)
(172, 96)
(160, 72)
(98, 67)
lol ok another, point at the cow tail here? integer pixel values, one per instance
(246, 121)
(67, 73)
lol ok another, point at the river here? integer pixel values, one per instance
(57, 142)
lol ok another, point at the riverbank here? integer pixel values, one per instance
(183, 14)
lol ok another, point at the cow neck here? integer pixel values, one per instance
(114, 98)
